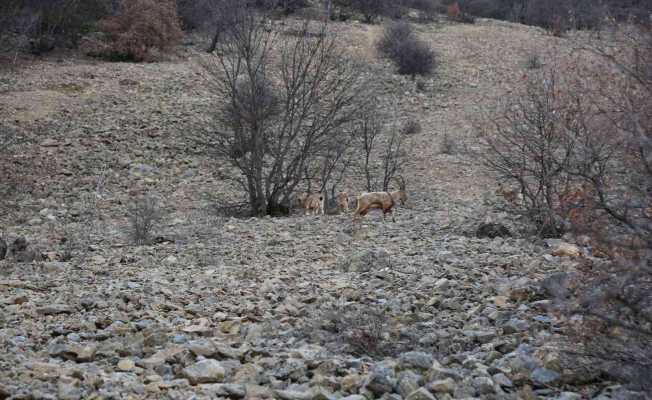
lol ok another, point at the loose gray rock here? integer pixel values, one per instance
(484, 385)
(421, 394)
(54, 309)
(293, 395)
(205, 371)
(543, 376)
(442, 386)
(408, 382)
(233, 391)
(502, 380)
(416, 359)
(379, 383)
(366, 261)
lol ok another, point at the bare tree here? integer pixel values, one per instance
(382, 155)
(368, 129)
(393, 157)
(527, 144)
(281, 111)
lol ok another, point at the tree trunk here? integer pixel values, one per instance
(216, 37)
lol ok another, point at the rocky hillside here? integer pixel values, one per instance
(298, 308)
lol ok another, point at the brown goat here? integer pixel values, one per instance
(343, 201)
(384, 201)
(510, 195)
(312, 203)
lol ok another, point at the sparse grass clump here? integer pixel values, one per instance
(448, 144)
(144, 214)
(364, 329)
(411, 55)
(533, 62)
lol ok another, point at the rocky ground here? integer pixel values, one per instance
(298, 308)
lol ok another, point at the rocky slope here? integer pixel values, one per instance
(292, 308)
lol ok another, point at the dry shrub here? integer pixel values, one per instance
(140, 27)
(411, 127)
(364, 329)
(144, 214)
(448, 144)
(411, 55)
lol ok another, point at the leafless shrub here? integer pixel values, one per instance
(282, 114)
(364, 329)
(411, 55)
(533, 61)
(144, 214)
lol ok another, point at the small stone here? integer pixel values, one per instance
(54, 266)
(545, 377)
(484, 385)
(379, 383)
(480, 336)
(443, 285)
(351, 383)
(126, 364)
(502, 380)
(54, 309)
(569, 396)
(230, 390)
(442, 386)
(366, 261)
(421, 394)
(50, 142)
(566, 250)
(501, 301)
(416, 359)
(293, 395)
(408, 382)
(205, 371)
(515, 325)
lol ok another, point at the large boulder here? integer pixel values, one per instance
(205, 371)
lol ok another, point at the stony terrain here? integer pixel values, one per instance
(298, 308)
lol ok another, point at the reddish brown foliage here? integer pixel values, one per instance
(141, 26)
(454, 11)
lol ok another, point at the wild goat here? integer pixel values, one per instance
(513, 196)
(343, 201)
(311, 203)
(384, 201)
